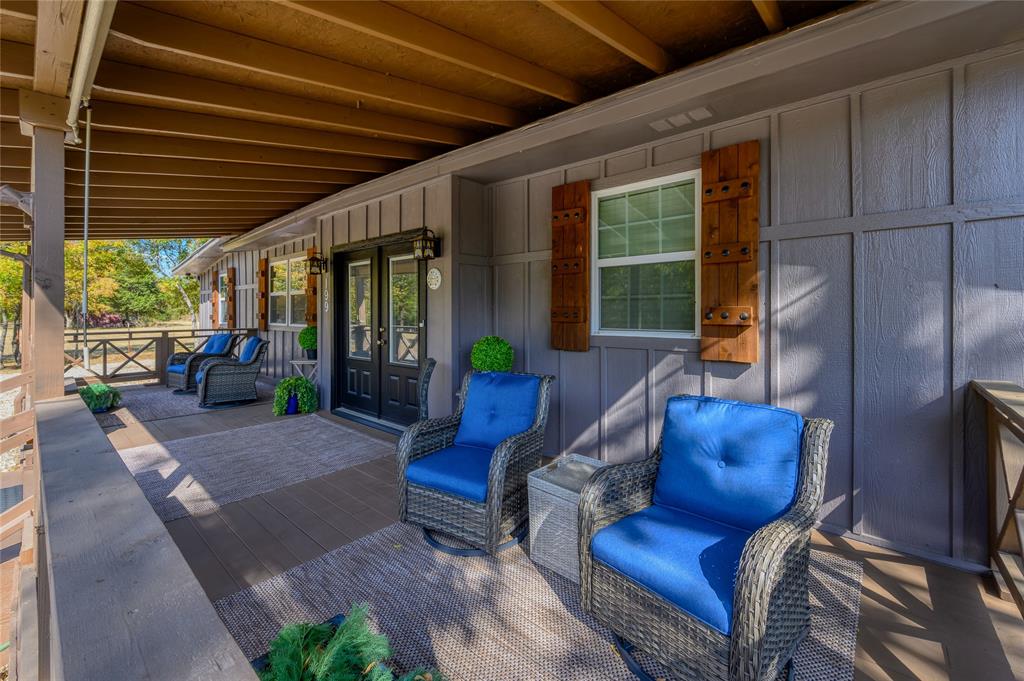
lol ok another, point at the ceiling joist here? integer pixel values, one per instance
(771, 14)
(605, 25)
(403, 28)
(180, 36)
(104, 179)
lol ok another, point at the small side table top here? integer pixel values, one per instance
(305, 367)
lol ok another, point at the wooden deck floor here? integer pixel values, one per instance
(918, 620)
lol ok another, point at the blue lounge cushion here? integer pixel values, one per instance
(458, 470)
(217, 344)
(732, 462)
(176, 368)
(249, 349)
(498, 405)
(687, 560)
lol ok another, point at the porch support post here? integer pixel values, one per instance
(47, 238)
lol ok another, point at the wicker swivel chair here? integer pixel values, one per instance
(182, 367)
(698, 554)
(465, 475)
(223, 379)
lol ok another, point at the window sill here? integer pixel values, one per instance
(668, 335)
(294, 328)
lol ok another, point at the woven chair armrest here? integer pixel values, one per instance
(770, 597)
(511, 449)
(425, 437)
(217, 361)
(199, 358)
(178, 358)
(614, 492)
(770, 606)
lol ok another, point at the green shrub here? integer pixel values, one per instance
(301, 386)
(321, 652)
(98, 396)
(492, 353)
(307, 338)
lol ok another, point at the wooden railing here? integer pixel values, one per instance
(1004, 407)
(131, 354)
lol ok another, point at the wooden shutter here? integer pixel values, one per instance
(263, 288)
(729, 243)
(570, 266)
(231, 319)
(215, 300)
(311, 299)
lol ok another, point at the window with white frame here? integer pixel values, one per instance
(222, 298)
(645, 274)
(288, 292)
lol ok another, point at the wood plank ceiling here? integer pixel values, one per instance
(210, 118)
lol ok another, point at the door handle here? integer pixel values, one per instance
(382, 341)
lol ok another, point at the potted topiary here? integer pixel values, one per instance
(295, 394)
(99, 397)
(492, 353)
(307, 341)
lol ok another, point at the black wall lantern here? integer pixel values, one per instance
(316, 264)
(426, 246)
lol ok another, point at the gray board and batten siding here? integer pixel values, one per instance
(892, 273)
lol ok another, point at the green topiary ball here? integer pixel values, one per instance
(307, 338)
(492, 353)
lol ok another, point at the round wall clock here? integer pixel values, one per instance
(433, 278)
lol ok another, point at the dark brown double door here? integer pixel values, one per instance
(382, 332)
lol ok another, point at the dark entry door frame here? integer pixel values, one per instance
(377, 358)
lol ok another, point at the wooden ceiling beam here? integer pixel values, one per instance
(596, 19)
(282, 205)
(104, 179)
(177, 35)
(399, 27)
(57, 24)
(106, 142)
(192, 195)
(16, 60)
(150, 120)
(771, 14)
(147, 165)
(116, 80)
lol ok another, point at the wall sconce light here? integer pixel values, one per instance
(316, 264)
(426, 246)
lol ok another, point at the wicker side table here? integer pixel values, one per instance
(554, 504)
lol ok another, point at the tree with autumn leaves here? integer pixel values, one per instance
(130, 284)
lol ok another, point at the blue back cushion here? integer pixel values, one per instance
(217, 344)
(498, 405)
(732, 462)
(249, 349)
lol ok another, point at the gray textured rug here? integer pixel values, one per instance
(198, 474)
(141, 403)
(501, 618)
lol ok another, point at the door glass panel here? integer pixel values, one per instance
(360, 310)
(403, 294)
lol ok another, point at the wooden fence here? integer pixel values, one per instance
(130, 354)
(1004, 407)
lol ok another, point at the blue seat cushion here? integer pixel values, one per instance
(687, 560)
(732, 462)
(199, 375)
(217, 344)
(176, 368)
(458, 470)
(498, 405)
(249, 349)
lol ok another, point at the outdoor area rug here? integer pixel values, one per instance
(500, 618)
(199, 474)
(141, 403)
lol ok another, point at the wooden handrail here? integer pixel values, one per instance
(1004, 408)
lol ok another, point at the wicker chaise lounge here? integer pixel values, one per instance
(698, 555)
(223, 379)
(182, 367)
(465, 475)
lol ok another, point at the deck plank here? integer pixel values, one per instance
(211, 573)
(239, 560)
(293, 536)
(322, 532)
(269, 550)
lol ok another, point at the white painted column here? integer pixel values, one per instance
(48, 261)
